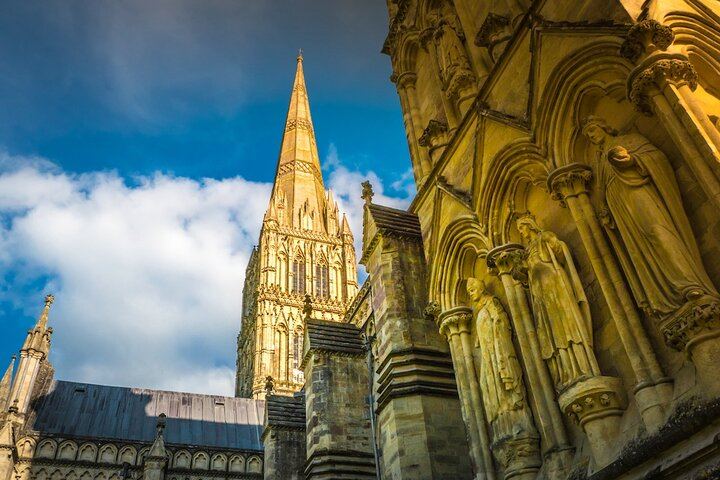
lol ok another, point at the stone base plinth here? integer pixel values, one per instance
(520, 457)
(695, 329)
(597, 405)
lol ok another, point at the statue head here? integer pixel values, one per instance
(596, 129)
(527, 226)
(475, 288)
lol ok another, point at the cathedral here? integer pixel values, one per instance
(547, 308)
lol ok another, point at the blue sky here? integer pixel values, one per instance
(138, 141)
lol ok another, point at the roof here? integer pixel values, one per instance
(285, 412)
(397, 221)
(130, 414)
(334, 337)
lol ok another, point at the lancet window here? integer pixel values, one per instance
(298, 282)
(322, 289)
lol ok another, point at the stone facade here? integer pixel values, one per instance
(59, 430)
(305, 248)
(566, 156)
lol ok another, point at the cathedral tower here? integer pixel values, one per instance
(305, 248)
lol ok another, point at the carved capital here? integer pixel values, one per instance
(694, 321)
(432, 311)
(434, 135)
(455, 321)
(406, 80)
(652, 75)
(505, 259)
(593, 399)
(644, 38)
(519, 455)
(569, 181)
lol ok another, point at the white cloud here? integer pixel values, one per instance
(147, 278)
(347, 190)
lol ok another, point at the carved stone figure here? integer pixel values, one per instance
(500, 375)
(562, 313)
(643, 213)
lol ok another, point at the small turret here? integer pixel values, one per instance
(32, 356)
(5, 385)
(154, 468)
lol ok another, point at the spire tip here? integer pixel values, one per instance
(300, 55)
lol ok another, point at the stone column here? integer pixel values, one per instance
(455, 326)
(428, 43)
(653, 390)
(663, 83)
(405, 83)
(556, 448)
(596, 403)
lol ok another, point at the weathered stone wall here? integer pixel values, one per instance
(559, 90)
(339, 442)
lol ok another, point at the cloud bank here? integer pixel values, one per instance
(147, 272)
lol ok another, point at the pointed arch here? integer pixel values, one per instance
(218, 462)
(108, 454)
(87, 453)
(68, 450)
(201, 461)
(46, 449)
(237, 463)
(182, 459)
(461, 248)
(127, 454)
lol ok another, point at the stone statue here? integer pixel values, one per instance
(643, 213)
(500, 375)
(562, 313)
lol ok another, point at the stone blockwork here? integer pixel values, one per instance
(284, 437)
(418, 415)
(566, 157)
(339, 434)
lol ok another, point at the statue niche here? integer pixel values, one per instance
(514, 437)
(645, 220)
(562, 313)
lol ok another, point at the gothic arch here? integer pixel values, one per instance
(182, 459)
(237, 463)
(218, 462)
(201, 461)
(127, 454)
(26, 447)
(46, 449)
(514, 169)
(87, 453)
(254, 465)
(41, 475)
(459, 250)
(141, 455)
(595, 66)
(68, 450)
(57, 475)
(107, 454)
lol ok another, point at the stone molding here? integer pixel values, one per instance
(645, 37)
(653, 72)
(569, 181)
(694, 322)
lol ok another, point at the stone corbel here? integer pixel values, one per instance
(494, 34)
(435, 138)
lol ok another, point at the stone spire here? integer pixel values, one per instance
(33, 355)
(5, 385)
(298, 179)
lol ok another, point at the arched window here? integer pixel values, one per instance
(298, 276)
(297, 348)
(322, 281)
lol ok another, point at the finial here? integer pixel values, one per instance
(299, 57)
(307, 306)
(367, 192)
(161, 422)
(269, 385)
(49, 299)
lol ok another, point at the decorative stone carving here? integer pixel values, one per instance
(562, 312)
(494, 34)
(457, 77)
(644, 215)
(435, 138)
(672, 67)
(645, 37)
(514, 437)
